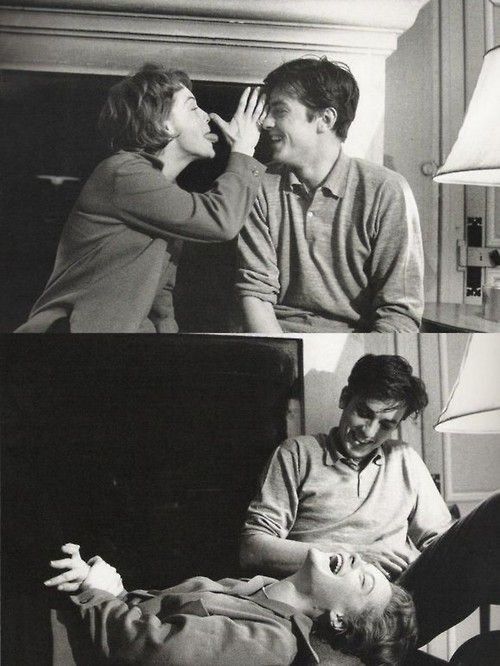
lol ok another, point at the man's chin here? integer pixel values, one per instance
(277, 154)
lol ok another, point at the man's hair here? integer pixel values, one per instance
(318, 83)
(377, 638)
(387, 377)
(133, 116)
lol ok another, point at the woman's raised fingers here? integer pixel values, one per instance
(65, 577)
(253, 101)
(242, 104)
(66, 563)
(68, 587)
(260, 111)
(70, 548)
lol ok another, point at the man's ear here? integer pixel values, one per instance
(327, 119)
(344, 398)
(337, 621)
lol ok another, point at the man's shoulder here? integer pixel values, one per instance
(304, 443)
(376, 172)
(397, 449)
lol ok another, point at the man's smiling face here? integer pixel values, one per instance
(292, 131)
(366, 423)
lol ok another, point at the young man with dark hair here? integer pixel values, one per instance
(354, 489)
(332, 243)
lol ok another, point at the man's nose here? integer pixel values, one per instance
(268, 122)
(370, 429)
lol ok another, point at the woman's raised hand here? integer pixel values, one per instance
(77, 570)
(242, 132)
(80, 575)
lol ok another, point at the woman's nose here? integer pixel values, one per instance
(355, 561)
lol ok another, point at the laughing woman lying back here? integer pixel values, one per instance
(117, 257)
(256, 622)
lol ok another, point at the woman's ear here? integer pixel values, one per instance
(337, 621)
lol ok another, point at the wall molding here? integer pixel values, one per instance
(390, 14)
(211, 40)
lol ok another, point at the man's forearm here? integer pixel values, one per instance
(270, 555)
(259, 316)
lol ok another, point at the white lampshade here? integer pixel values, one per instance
(474, 403)
(475, 157)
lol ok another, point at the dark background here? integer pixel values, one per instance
(143, 449)
(49, 126)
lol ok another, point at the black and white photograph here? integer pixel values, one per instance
(299, 202)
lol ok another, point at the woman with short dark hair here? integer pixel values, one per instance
(117, 257)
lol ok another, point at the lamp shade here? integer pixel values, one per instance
(475, 157)
(474, 403)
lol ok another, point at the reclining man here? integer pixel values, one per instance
(359, 491)
(332, 243)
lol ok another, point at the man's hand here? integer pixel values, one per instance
(77, 570)
(390, 562)
(243, 131)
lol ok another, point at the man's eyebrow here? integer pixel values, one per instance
(191, 98)
(362, 405)
(279, 102)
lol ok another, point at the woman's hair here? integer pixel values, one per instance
(318, 83)
(387, 377)
(377, 638)
(133, 116)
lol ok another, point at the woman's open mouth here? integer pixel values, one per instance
(336, 562)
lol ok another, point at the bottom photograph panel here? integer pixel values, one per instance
(223, 499)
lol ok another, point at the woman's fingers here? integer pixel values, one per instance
(94, 559)
(242, 104)
(222, 124)
(76, 568)
(66, 563)
(260, 111)
(71, 548)
(68, 587)
(65, 577)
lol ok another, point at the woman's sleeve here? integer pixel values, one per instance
(125, 634)
(147, 202)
